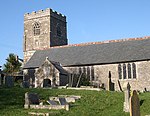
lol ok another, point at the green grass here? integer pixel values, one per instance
(92, 103)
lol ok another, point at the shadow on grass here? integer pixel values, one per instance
(141, 102)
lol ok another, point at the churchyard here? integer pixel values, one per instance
(96, 103)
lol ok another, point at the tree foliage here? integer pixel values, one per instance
(84, 81)
(12, 65)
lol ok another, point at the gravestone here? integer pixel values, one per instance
(25, 84)
(27, 103)
(126, 97)
(9, 82)
(134, 105)
(111, 86)
(63, 101)
(51, 102)
(120, 86)
(31, 98)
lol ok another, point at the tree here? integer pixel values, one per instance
(12, 65)
(84, 80)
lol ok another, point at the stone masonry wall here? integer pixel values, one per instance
(41, 41)
(28, 55)
(48, 21)
(56, 40)
(46, 71)
(101, 74)
(141, 81)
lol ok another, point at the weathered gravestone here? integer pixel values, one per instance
(31, 98)
(134, 105)
(63, 101)
(126, 97)
(25, 84)
(110, 83)
(51, 102)
(9, 81)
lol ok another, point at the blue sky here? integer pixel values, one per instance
(87, 20)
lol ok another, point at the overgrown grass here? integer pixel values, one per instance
(92, 103)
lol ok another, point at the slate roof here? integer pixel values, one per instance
(58, 67)
(105, 53)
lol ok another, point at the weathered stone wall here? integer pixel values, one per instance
(48, 22)
(97, 73)
(55, 23)
(87, 71)
(101, 74)
(46, 71)
(28, 55)
(29, 76)
(34, 42)
(143, 79)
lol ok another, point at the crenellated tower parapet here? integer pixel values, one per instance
(43, 29)
(43, 13)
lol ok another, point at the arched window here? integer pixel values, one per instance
(134, 70)
(124, 71)
(129, 71)
(88, 72)
(58, 31)
(92, 73)
(36, 29)
(80, 70)
(120, 71)
(84, 70)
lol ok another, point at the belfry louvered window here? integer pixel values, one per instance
(36, 29)
(58, 31)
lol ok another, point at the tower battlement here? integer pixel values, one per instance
(43, 29)
(42, 13)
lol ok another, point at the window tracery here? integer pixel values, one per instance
(36, 29)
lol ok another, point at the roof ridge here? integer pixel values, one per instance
(103, 42)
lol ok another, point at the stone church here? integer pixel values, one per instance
(50, 61)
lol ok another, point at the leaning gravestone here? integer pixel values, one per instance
(126, 97)
(9, 82)
(63, 101)
(134, 105)
(110, 83)
(51, 102)
(25, 84)
(31, 98)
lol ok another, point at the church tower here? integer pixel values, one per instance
(43, 29)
